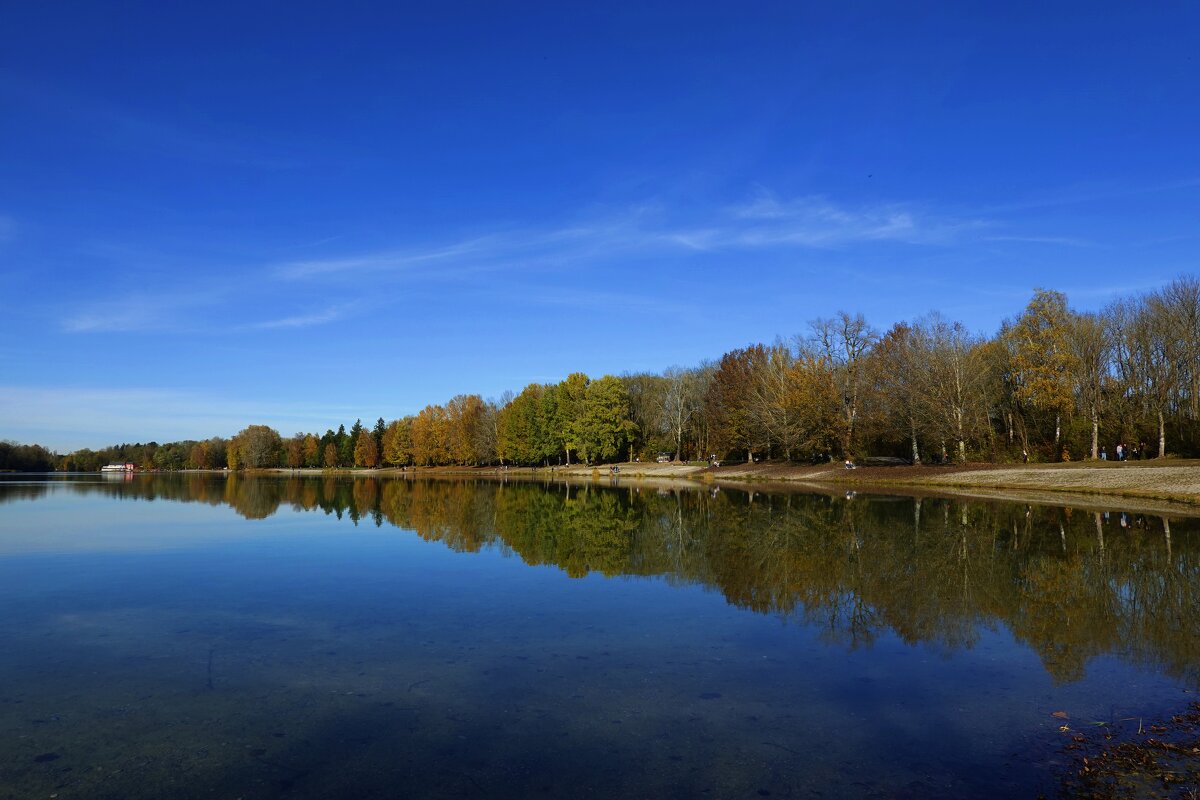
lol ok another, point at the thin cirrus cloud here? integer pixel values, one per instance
(816, 222)
(303, 320)
(765, 222)
(142, 312)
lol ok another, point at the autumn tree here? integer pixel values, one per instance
(397, 443)
(808, 395)
(729, 402)
(366, 454)
(294, 451)
(199, 455)
(466, 417)
(312, 451)
(1043, 359)
(430, 436)
(255, 447)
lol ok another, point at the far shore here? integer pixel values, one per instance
(1161, 484)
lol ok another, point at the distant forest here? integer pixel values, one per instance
(1053, 383)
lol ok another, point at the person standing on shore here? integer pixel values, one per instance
(1120, 451)
(1103, 454)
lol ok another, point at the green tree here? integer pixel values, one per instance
(571, 398)
(604, 427)
(348, 442)
(379, 430)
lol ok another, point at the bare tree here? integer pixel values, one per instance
(1093, 353)
(680, 402)
(844, 341)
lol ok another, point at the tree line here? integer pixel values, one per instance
(1052, 384)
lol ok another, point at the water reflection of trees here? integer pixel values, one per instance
(1072, 585)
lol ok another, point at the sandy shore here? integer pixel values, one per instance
(1169, 482)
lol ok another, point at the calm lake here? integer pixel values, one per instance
(203, 636)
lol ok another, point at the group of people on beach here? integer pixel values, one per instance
(1125, 452)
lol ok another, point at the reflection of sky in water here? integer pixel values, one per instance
(302, 656)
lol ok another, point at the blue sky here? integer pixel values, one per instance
(213, 215)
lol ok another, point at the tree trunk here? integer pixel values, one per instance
(912, 426)
(1095, 433)
(962, 440)
(1162, 435)
(1057, 429)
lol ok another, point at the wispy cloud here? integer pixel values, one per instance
(595, 300)
(1066, 241)
(815, 221)
(303, 320)
(763, 223)
(141, 312)
(387, 261)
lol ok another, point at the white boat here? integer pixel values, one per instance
(118, 468)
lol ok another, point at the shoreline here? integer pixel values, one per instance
(1159, 484)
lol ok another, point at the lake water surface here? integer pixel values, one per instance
(204, 636)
